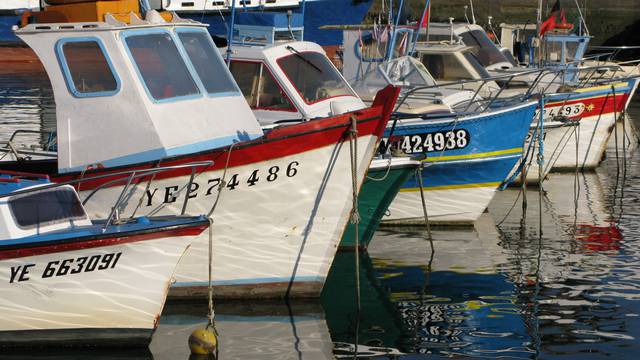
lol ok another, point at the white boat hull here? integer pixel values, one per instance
(446, 207)
(121, 302)
(269, 239)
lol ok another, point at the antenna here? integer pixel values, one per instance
(465, 14)
(451, 28)
(473, 15)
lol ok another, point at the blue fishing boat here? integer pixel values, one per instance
(469, 143)
(72, 280)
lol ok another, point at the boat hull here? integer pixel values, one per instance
(459, 183)
(116, 299)
(381, 186)
(581, 142)
(279, 218)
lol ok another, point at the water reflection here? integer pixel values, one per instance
(26, 103)
(247, 330)
(558, 278)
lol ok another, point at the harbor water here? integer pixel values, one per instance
(557, 279)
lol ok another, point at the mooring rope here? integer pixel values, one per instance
(355, 219)
(424, 204)
(540, 161)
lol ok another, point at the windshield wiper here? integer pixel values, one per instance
(299, 55)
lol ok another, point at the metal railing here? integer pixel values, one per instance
(128, 177)
(10, 146)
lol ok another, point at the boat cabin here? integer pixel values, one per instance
(131, 89)
(37, 212)
(474, 36)
(559, 49)
(287, 80)
(450, 62)
(372, 62)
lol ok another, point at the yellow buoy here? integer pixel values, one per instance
(203, 342)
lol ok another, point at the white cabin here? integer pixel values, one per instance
(474, 36)
(288, 81)
(138, 92)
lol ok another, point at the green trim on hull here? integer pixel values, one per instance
(373, 201)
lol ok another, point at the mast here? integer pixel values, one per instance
(230, 35)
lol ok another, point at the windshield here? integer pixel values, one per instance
(314, 76)
(207, 61)
(483, 48)
(446, 67)
(260, 89)
(409, 71)
(46, 207)
(473, 61)
(160, 65)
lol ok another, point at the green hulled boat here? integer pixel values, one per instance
(383, 182)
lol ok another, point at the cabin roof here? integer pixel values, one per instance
(424, 47)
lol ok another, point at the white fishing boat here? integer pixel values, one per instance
(578, 113)
(141, 92)
(71, 280)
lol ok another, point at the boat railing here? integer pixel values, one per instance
(614, 51)
(20, 151)
(599, 74)
(128, 177)
(482, 103)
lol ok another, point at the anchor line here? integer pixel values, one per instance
(424, 204)
(355, 219)
(593, 133)
(386, 173)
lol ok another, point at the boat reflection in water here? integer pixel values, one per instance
(26, 103)
(454, 303)
(580, 278)
(247, 330)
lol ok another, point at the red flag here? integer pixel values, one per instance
(425, 16)
(550, 23)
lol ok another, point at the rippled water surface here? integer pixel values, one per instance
(513, 287)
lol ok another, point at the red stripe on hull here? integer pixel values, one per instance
(595, 106)
(95, 243)
(279, 142)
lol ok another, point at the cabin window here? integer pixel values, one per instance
(260, 89)
(87, 70)
(161, 66)
(446, 67)
(483, 48)
(207, 62)
(553, 51)
(314, 76)
(46, 207)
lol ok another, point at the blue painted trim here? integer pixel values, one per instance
(143, 223)
(138, 32)
(192, 68)
(264, 280)
(161, 153)
(62, 60)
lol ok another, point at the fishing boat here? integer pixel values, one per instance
(574, 94)
(467, 143)
(455, 66)
(286, 81)
(71, 280)
(280, 201)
